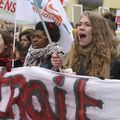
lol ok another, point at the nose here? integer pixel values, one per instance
(82, 27)
(34, 40)
(22, 42)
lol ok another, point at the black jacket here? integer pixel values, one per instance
(115, 69)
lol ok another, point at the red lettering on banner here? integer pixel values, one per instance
(60, 98)
(50, 16)
(50, 12)
(61, 1)
(59, 80)
(44, 111)
(17, 82)
(8, 5)
(33, 99)
(1, 3)
(83, 101)
(13, 7)
(4, 114)
(3, 71)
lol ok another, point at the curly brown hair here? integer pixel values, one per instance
(97, 55)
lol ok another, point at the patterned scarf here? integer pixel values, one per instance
(34, 54)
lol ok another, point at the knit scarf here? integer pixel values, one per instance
(34, 54)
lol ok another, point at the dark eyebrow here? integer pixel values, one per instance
(85, 22)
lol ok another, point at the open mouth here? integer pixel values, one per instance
(82, 35)
(34, 46)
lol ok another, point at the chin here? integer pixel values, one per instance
(35, 47)
(82, 44)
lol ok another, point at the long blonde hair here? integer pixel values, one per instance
(97, 53)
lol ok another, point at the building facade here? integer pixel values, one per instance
(75, 7)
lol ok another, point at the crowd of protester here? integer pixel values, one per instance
(94, 52)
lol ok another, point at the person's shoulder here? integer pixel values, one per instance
(5, 59)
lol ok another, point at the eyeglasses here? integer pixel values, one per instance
(39, 36)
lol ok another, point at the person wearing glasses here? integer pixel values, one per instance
(39, 53)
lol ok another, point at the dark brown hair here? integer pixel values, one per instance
(8, 42)
(52, 28)
(98, 53)
(28, 33)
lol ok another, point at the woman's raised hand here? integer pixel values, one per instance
(56, 60)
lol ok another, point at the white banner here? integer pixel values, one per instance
(7, 10)
(118, 19)
(25, 12)
(53, 10)
(33, 93)
(64, 2)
